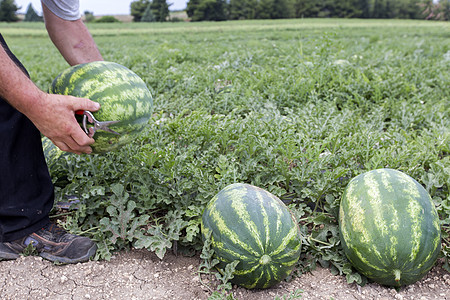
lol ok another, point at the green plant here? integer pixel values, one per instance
(207, 267)
(297, 107)
(107, 19)
(297, 294)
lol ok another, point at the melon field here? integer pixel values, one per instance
(296, 107)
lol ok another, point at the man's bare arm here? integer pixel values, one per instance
(53, 115)
(72, 39)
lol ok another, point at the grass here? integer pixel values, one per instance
(298, 107)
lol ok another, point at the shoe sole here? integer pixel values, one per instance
(5, 253)
(66, 260)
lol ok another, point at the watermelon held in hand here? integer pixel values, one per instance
(51, 152)
(389, 227)
(254, 227)
(123, 96)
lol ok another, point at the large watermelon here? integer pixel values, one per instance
(122, 94)
(252, 226)
(51, 152)
(389, 227)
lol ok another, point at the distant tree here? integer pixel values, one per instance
(138, 8)
(207, 10)
(281, 9)
(348, 9)
(160, 10)
(8, 9)
(89, 16)
(445, 7)
(307, 8)
(107, 19)
(148, 15)
(31, 15)
(437, 11)
(191, 7)
(242, 9)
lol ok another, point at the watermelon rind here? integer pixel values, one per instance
(389, 227)
(123, 96)
(252, 226)
(51, 153)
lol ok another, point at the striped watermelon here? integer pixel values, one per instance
(122, 94)
(51, 152)
(252, 226)
(389, 227)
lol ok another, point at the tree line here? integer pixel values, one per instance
(221, 10)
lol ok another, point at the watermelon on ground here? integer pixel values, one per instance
(254, 227)
(389, 227)
(123, 96)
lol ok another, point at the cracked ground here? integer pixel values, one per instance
(139, 274)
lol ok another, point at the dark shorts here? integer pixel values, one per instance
(26, 189)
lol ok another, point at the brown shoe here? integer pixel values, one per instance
(52, 243)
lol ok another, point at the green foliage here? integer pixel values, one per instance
(148, 15)
(160, 10)
(89, 16)
(107, 19)
(8, 9)
(297, 294)
(279, 9)
(31, 15)
(437, 10)
(297, 107)
(242, 10)
(207, 267)
(138, 8)
(207, 10)
(156, 11)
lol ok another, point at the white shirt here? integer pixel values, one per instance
(65, 9)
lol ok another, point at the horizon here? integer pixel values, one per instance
(98, 7)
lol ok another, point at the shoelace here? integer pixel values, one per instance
(57, 232)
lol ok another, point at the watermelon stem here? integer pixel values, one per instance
(397, 274)
(265, 259)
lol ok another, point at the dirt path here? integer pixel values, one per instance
(141, 275)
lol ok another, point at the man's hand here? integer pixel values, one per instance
(54, 116)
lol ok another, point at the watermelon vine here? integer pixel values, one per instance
(303, 113)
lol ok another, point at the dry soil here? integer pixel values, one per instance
(141, 275)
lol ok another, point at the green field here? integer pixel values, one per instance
(298, 107)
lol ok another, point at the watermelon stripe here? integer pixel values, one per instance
(247, 271)
(265, 224)
(220, 246)
(265, 279)
(414, 209)
(90, 88)
(373, 189)
(279, 221)
(287, 254)
(292, 234)
(242, 212)
(287, 263)
(228, 234)
(355, 216)
(276, 275)
(366, 261)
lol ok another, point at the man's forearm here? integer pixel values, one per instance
(72, 39)
(16, 87)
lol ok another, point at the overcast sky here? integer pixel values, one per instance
(99, 7)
